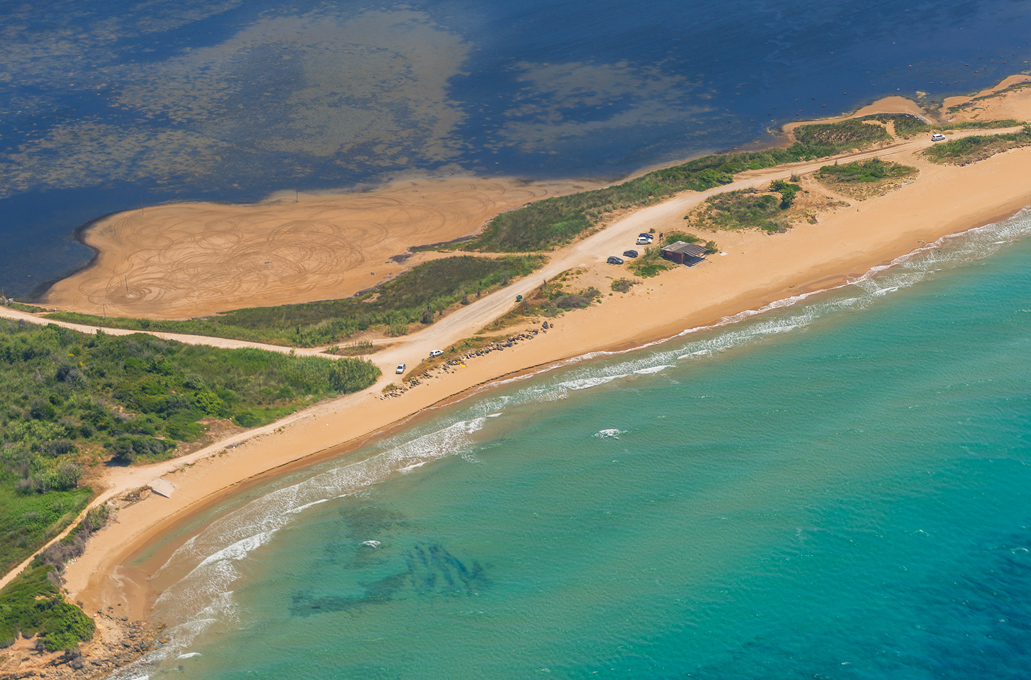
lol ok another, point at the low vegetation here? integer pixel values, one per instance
(909, 126)
(747, 209)
(975, 148)
(419, 295)
(624, 285)
(845, 135)
(555, 221)
(864, 179)
(69, 400)
(32, 605)
(873, 170)
(651, 263)
(549, 300)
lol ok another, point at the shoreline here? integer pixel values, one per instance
(759, 273)
(143, 594)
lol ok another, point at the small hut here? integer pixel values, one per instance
(683, 253)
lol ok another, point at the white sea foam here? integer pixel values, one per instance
(611, 433)
(188, 655)
(371, 544)
(205, 596)
(652, 369)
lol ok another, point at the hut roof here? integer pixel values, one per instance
(690, 249)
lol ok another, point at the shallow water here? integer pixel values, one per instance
(837, 488)
(110, 106)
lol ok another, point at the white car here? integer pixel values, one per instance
(645, 240)
(400, 369)
(937, 137)
(435, 353)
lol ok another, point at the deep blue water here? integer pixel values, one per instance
(105, 107)
(837, 488)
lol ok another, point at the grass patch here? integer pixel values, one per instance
(977, 147)
(356, 349)
(27, 521)
(624, 285)
(841, 136)
(873, 170)
(744, 209)
(21, 307)
(419, 295)
(547, 300)
(909, 126)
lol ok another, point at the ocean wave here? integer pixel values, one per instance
(204, 597)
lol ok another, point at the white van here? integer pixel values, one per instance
(937, 137)
(400, 369)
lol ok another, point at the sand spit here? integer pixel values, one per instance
(845, 240)
(186, 260)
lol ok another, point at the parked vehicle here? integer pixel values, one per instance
(435, 353)
(645, 239)
(630, 253)
(937, 137)
(400, 369)
(615, 260)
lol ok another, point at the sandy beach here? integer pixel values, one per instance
(753, 269)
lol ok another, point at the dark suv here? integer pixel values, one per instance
(615, 260)
(630, 253)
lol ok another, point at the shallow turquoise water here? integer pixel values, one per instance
(835, 489)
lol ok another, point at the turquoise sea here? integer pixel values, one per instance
(837, 487)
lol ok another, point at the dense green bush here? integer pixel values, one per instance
(873, 170)
(787, 192)
(67, 399)
(32, 604)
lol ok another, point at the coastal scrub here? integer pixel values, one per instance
(419, 295)
(966, 150)
(71, 401)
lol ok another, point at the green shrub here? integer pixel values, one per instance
(977, 147)
(32, 605)
(787, 192)
(873, 170)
